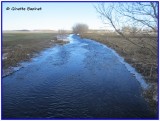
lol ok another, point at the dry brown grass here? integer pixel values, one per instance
(22, 46)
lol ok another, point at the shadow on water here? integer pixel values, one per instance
(82, 79)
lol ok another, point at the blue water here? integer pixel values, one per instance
(81, 79)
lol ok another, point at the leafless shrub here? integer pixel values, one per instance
(80, 28)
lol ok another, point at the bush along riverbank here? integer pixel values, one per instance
(141, 59)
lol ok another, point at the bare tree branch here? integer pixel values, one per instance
(114, 14)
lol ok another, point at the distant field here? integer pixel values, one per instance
(22, 46)
(142, 59)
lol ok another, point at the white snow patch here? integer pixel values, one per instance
(4, 56)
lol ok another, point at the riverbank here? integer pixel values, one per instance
(140, 58)
(18, 47)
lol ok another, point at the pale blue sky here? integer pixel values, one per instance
(54, 15)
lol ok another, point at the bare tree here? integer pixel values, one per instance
(139, 15)
(80, 28)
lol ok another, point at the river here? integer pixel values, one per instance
(79, 80)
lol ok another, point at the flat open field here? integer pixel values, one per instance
(22, 46)
(142, 59)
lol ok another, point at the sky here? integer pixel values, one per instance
(53, 16)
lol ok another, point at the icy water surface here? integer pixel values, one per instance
(82, 79)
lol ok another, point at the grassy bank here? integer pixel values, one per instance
(142, 59)
(19, 47)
